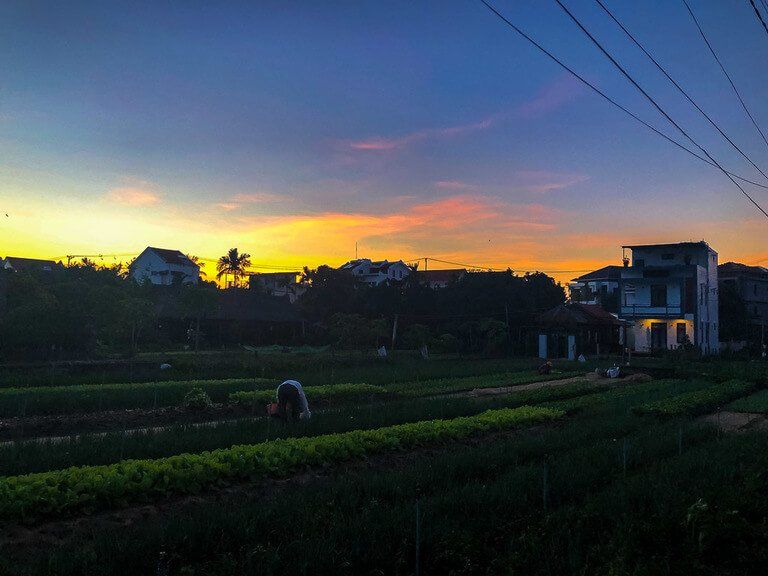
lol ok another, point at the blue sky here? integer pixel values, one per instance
(294, 129)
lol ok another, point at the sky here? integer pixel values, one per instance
(295, 130)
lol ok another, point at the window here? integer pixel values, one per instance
(658, 295)
(667, 256)
(681, 335)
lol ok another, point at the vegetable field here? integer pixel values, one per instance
(566, 473)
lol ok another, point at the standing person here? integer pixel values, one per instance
(291, 401)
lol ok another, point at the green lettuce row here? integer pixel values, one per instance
(93, 397)
(133, 481)
(757, 402)
(448, 385)
(341, 391)
(698, 401)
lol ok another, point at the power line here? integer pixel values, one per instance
(759, 16)
(677, 85)
(656, 104)
(602, 94)
(714, 54)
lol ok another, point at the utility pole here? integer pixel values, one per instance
(394, 333)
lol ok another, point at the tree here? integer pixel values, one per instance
(233, 263)
(196, 260)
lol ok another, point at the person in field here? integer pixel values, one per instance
(292, 402)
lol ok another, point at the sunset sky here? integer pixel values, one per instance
(294, 129)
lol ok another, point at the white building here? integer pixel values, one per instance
(374, 273)
(669, 293)
(165, 267)
(595, 287)
(280, 284)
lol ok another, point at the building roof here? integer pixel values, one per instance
(171, 256)
(441, 275)
(578, 314)
(375, 266)
(604, 273)
(699, 244)
(18, 263)
(739, 268)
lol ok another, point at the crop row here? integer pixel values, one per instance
(449, 385)
(757, 402)
(87, 398)
(698, 401)
(114, 485)
(333, 391)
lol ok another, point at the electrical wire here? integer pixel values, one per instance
(677, 85)
(602, 94)
(656, 104)
(759, 16)
(719, 63)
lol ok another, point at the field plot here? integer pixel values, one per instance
(553, 474)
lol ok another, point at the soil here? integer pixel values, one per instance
(737, 421)
(590, 376)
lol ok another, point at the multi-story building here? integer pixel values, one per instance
(751, 284)
(163, 266)
(669, 294)
(376, 272)
(598, 287)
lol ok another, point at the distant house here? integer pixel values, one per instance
(28, 264)
(164, 267)
(751, 284)
(374, 273)
(670, 295)
(437, 279)
(280, 284)
(598, 287)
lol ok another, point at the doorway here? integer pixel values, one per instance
(658, 336)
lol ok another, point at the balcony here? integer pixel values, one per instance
(651, 311)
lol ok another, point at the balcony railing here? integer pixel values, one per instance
(656, 311)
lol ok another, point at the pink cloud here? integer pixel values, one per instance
(542, 181)
(453, 185)
(552, 96)
(133, 196)
(257, 197)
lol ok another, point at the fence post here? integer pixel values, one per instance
(418, 537)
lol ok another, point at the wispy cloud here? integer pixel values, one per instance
(542, 181)
(454, 185)
(552, 96)
(250, 198)
(133, 196)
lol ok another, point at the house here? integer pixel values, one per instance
(28, 264)
(751, 284)
(598, 287)
(164, 267)
(669, 294)
(280, 284)
(436, 279)
(571, 329)
(374, 273)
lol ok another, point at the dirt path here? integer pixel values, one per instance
(737, 421)
(589, 377)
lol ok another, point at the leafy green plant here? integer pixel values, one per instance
(757, 402)
(104, 487)
(335, 391)
(698, 401)
(196, 399)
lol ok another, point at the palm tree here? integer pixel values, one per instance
(197, 261)
(233, 263)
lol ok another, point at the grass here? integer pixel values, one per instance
(449, 385)
(332, 392)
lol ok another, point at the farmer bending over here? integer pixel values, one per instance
(291, 400)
